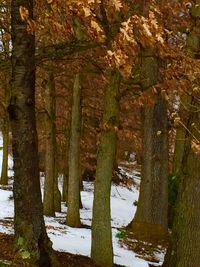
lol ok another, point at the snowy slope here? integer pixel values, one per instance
(78, 240)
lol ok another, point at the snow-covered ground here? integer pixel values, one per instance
(78, 240)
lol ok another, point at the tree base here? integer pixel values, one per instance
(153, 233)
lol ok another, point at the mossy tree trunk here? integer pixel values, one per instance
(150, 222)
(73, 214)
(174, 178)
(102, 250)
(30, 234)
(185, 243)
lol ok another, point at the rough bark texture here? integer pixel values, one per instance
(102, 251)
(185, 243)
(30, 234)
(150, 222)
(73, 215)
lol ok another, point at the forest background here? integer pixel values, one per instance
(102, 80)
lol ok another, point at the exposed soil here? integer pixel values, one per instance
(8, 256)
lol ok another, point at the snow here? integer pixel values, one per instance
(78, 240)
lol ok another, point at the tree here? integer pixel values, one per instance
(73, 201)
(5, 133)
(150, 221)
(185, 239)
(51, 193)
(184, 245)
(5, 76)
(102, 251)
(30, 234)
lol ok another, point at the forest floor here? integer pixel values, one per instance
(65, 259)
(72, 244)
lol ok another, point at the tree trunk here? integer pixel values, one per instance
(180, 135)
(65, 188)
(30, 234)
(5, 133)
(102, 250)
(150, 222)
(57, 194)
(4, 170)
(185, 244)
(49, 209)
(174, 178)
(73, 215)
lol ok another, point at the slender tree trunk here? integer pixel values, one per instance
(73, 215)
(4, 170)
(65, 188)
(174, 181)
(185, 244)
(48, 203)
(30, 234)
(180, 135)
(102, 250)
(150, 222)
(57, 194)
(5, 133)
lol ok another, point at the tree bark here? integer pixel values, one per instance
(180, 135)
(5, 133)
(65, 188)
(49, 208)
(102, 250)
(73, 215)
(150, 222)
(57, 194)
(4, 170)
(185, 244)
(30, 234)
(185, 241)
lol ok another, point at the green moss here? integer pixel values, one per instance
(25, 255)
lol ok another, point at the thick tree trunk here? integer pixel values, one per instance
(150, 222)
(30, 234)
(185, 244)
(73, 215)
(102, 250)
(49, 209)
